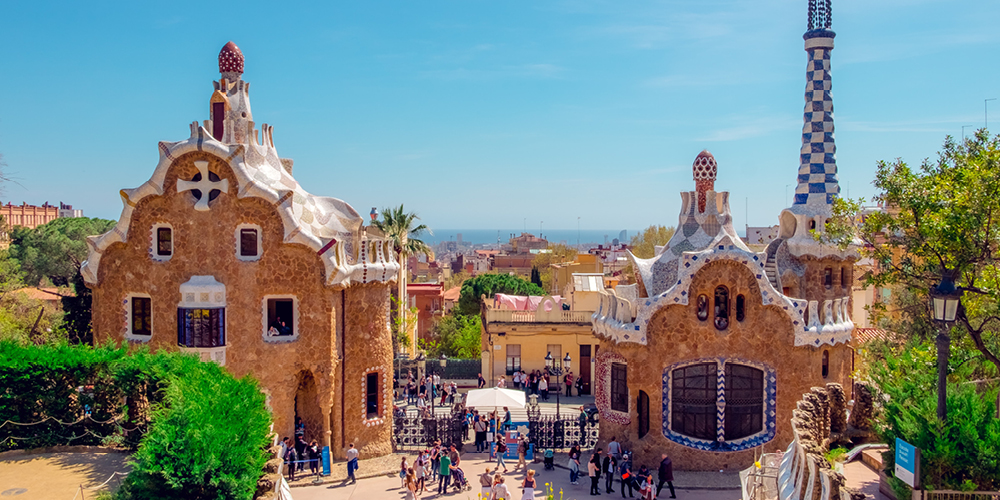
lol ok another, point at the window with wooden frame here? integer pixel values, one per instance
(826, 363)
(513, 358)
(744, 401)
(619, 387)
(642, 407)
(372, 400)
(693, 400)
(141, 316)
(248, 242)
(828, 277)
(201, 327)
(162, 239)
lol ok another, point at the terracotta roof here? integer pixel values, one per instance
(866, 335)
(452, 294)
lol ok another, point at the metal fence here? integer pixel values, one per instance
(962, 495)
(561, 433)
(455, 368)
(414, 432)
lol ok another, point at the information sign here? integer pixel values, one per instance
(907, 463)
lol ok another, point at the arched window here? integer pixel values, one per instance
(642, 407)
(702, 307)
(695, 401)
(741, 307)
(721, 308)
(826, 363)
(812, 225)
(828, 277)
(843, 277)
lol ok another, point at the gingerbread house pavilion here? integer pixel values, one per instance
(706, 356)
(223, 254)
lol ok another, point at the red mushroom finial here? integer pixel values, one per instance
(705, 168)
(231, 59)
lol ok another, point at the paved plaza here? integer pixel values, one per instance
(689, 485)
(43, 476)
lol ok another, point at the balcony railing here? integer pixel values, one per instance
(557, 316)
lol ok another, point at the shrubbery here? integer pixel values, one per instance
(962, 453)
(197, 432)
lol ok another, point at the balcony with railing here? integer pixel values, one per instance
(549, 310)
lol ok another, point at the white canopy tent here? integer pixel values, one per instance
(495, 397)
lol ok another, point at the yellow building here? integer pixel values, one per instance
(514, 339)
(562, 273)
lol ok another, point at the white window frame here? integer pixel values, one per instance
(295, 319)
(239, 242)
(127, 302)
(154, 242)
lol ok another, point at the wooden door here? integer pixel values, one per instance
(585, 370)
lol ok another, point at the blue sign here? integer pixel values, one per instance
(907, 463)
(326, 460)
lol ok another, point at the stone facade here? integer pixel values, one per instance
(675, 335)
(310, 251)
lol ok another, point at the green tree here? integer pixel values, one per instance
(55, 251)
(402, 229)
(458, 336)
(556, 254)
(642, 245)
(490, 285)
(941, 217)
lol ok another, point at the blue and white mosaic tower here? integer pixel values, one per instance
(817, 182)
(818, 185)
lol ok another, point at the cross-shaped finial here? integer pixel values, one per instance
(203, 187)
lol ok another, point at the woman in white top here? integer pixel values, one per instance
(500, 491)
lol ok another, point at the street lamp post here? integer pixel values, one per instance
(945, 299)
(557, 372)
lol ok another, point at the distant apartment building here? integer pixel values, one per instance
(518, 264)
(563, 272)
(527, 242)
(428, 299)
(32, 216)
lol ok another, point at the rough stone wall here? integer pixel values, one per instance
(367, 347)
(812, 424)
(205, 244)
(838, 408)
(864, 406)
(811, 285)
(676, 335)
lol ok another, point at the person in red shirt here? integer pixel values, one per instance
(568, 380)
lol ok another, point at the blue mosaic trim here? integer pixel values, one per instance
(818, 182)
(753, 441)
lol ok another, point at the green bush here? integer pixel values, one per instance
(197, 431)
(960, 453)
(490, 285)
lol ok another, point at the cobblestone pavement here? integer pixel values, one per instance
(689, 485)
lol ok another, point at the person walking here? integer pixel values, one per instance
(486, 484)
(481, 382)
(594, 471)
(506, 419)
(528, 486)
(568, 380)
(289, 458)
(615, 449)
(543, 387)
(501, 450)
(517, 380)
(436, 458)
(574, 464)
(402, 472)
(522, 451)
(625, 471)
(610, 464)
(480, 429)
(666, 475)
(444, 474)
(500, 490)
(352, 463)
(410, 485)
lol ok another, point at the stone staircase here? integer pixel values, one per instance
(770, 266)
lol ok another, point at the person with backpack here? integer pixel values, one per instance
(501, 449)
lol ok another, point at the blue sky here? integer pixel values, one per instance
(480, 114)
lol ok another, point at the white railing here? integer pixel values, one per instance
(509, 316)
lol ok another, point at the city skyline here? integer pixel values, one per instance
(479, 115)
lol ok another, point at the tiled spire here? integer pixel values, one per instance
(817, 182)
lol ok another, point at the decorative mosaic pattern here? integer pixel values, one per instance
(817, 182)
(720, 444)
(610, 322)
(602, 397)
(386, 389)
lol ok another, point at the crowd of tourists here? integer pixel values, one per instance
(424, 393)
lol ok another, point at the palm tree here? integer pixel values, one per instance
(399, 226)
